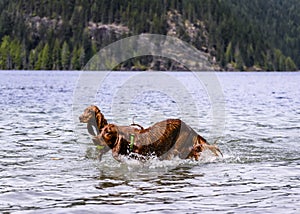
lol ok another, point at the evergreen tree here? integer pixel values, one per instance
(46, 58)
(32, 59)
(38, 64)
(279, 61)
(15, 52)
(87, 45)
(56, 56)
(239, 63)
(81, 57)
(75, 64)
(290, 64)
(5, 57)
(65, 56)
(228, 53)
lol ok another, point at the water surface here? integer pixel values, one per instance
(47, 163)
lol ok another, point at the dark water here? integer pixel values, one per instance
(47, 163)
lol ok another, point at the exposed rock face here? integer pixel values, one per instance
(194, 34)
(35, 23)
(99, 31)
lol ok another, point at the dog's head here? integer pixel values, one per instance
(94, 119)
(110, 134)
(89, 114)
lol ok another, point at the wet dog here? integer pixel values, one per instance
(165, 140)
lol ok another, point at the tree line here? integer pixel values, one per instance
(64, 35)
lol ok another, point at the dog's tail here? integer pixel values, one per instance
(135, 124)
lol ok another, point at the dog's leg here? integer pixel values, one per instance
(117, 148)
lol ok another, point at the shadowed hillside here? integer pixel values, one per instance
(235, 34)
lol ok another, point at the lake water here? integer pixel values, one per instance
(47, 163)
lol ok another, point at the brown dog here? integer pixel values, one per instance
(165, 139)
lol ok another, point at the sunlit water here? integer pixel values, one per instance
(47, 162)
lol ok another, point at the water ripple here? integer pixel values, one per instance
(46, 168)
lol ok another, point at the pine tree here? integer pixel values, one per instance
(38, 64)
(32, 59)
(24, 56)
(56, 55)
(5, 57)
(87, 46)
(290, 64)
(75, 65)
(46, 58)
(65, 56)
(279, 60)
(239, 63)
(228, 53)
(15, 52)
(81, 57)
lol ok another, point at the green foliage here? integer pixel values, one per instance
(46, 58)
(228, 53)
(239, 64)
(32, 59)
(65, 56)
(5, 57)
(290, 64)
(56, 55)
(44, 34)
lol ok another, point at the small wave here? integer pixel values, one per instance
(133, 167)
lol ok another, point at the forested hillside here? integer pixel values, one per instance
(236, 34)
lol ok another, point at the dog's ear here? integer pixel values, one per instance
(99, 117)
(94, 109)
(101, 121)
